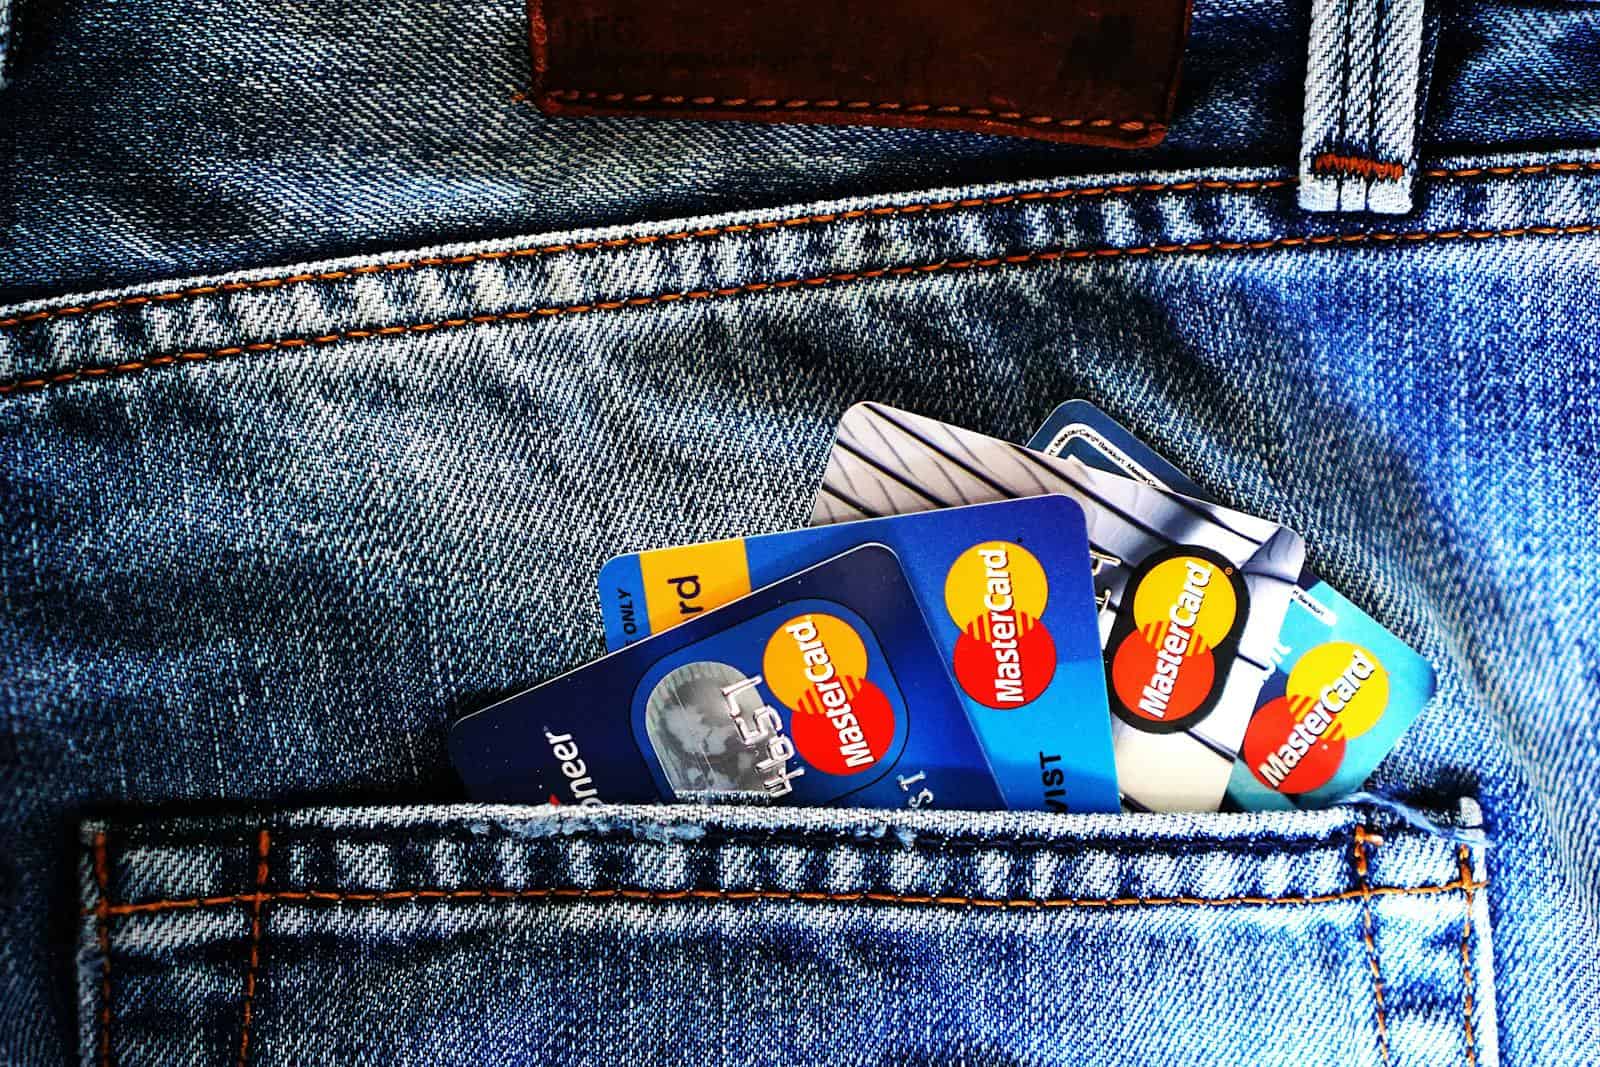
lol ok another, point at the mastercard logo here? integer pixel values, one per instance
(996, 593)
(816, 666)
(1335, 692)
(1175, 638)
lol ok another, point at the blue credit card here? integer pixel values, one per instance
(1008, 592)
(1343, 688)
(1078, 428)
(822, 688)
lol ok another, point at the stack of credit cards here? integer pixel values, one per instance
(969, 623)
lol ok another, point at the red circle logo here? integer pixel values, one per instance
(996, 592)
(1007, 670)
(1279, 764)
(1156, 688)
(844, 734)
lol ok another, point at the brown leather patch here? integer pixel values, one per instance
(1100, 72)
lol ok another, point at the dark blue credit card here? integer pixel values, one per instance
(824, 688)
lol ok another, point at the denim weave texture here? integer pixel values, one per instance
(806, 936)
(302, 457)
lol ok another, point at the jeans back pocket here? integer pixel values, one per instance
(782, 936)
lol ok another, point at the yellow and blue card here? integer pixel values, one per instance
(822, 688)
(1342, 689)
(1006, 588)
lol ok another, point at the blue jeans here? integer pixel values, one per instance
(268, 529)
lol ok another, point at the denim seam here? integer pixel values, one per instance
(1463, 857)
(1246, 848)
(709, 232)
(716, 838)
(1343, 134)
(1364, 167)
(1364, 837)
(22, 385)
(247, 1013)
(599, 97)
(1361, 147)
(1372, 101)
(822, 219)
(663, 896)
(102, 911)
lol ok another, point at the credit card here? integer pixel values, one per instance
(1006, 589)
(1079, 429)
(823, 688)
(1344, 688)
(1192, 595)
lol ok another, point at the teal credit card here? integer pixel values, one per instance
(1006, 589)
(1343, 688)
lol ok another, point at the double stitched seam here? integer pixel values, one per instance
(1364, 838)
(1464, 858)
(600, 98)
(708, 232)
(814, 281)
(662, 896)
(708, 837)
(824, 219)
(102, 911)
(263, 844)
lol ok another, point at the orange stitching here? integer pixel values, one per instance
(815, 281)
(102, 910)
(1522, 170)
(719, 231)
(893, 106)
(729, 895)
(1466, 959)
(1363, 838)
(826, 218)
(264, 842)
(1357, 166)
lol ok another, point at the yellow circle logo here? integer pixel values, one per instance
(1191, 595)
(1345, 681)
(808, 650)
(1005, 657)
(996, 577)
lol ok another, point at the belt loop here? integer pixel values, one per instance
(1366, 79)
(7, 17)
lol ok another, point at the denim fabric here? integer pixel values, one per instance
(494, 935)
(264, 540)
(1518, 74)
(5, 42)
(164, 138)
(266, 532)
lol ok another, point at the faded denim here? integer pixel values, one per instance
(267, 531)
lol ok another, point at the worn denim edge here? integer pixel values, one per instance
(549, 820)
(70, 346)
(102, 925)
